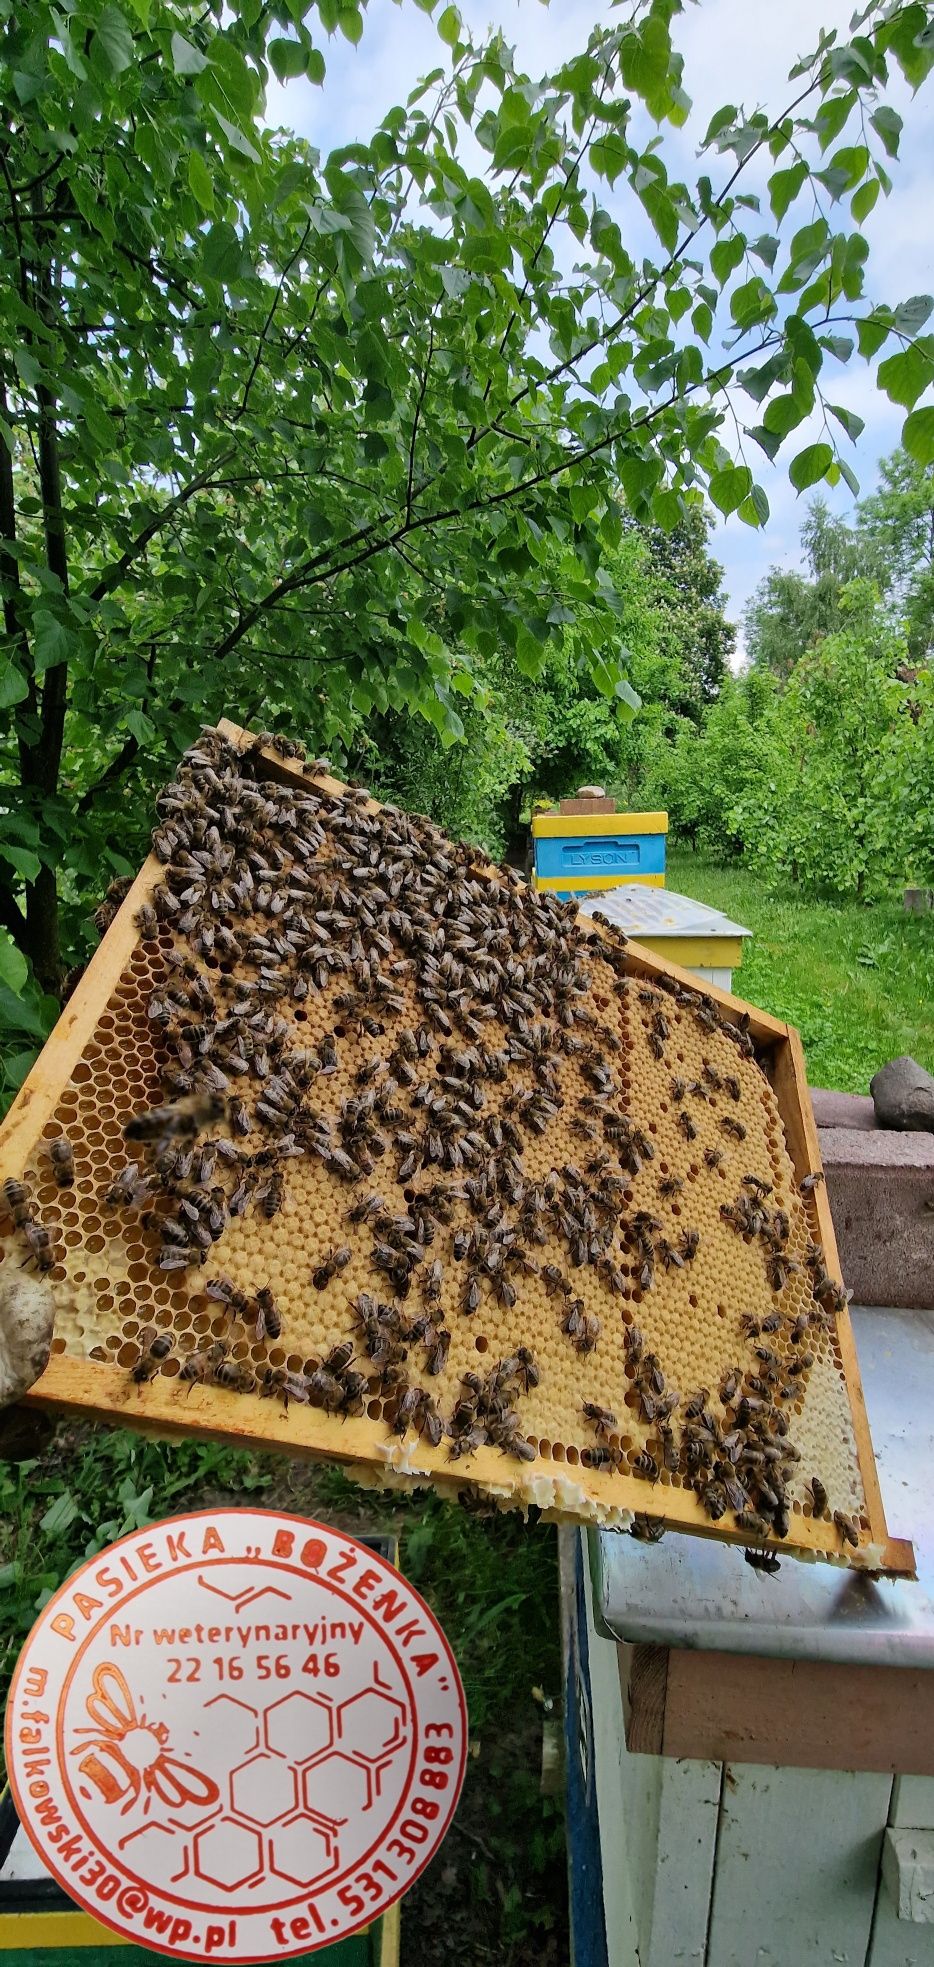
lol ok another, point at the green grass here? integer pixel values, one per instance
(857, 979)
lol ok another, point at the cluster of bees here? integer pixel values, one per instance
(274, 895)
(21, 1206)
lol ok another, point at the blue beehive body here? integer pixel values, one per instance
(576, 854)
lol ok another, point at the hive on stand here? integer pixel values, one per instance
(591, 1279)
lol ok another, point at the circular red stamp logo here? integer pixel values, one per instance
(236, 1736)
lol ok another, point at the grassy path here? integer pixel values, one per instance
(858, 981)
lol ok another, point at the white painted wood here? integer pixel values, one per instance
(896, 1942)
(796, 1867)
(913, 1803)
(658, 1821)
(687, 1831)
(908, 1874)
(627, 1802)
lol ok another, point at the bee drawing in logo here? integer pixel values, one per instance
(127, 1758)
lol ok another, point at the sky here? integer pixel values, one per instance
(736, 51)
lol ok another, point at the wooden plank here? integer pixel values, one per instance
(791, 1088)
(643, 1674)
(797, 1860)
(687, 1836)
(41, 1089)
(799, 1713)
(898, 1941)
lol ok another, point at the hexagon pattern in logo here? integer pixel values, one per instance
(300, 1725)
(304, 1849)
(371, 1724)
(227, 1854)
(263, 1789)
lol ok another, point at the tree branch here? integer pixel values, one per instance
(13, 920)
(418, 412)
(277, 296)
(114, 575)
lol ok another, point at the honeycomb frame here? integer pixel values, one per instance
(559, 1481)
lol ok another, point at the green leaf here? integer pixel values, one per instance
(14, 968)
(888, 125)
(728, 488)
(918, 436)
(784, 187)
(60, 1515)
(852, 424)
(236, 138)
(114, 35)
(26, 863)
(810, 465)
(52, 642)
(864, 199)
(783, 414)
(351, 25)
(449, 26)
(910, 316)
(725, 256)
(288, 57)
(13, 684)
(904, 377)
(186, 59)
(200, 181)
(140, 725)
(609, 156)
(314, 66)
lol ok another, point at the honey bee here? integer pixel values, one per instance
(155, 1344)
(19, 1202)
(147, 921)
(818, 1495)
(235, 1302)
(729, 1384)
(40, 1245)
(268, 1319)
(336, 1260)
(601, 1417)
(62, 1157)
(672, 1185)
(437, 1347)
(810, 1183)
(286, 1386)
(733, 1127)
(633, 1342)
(763, 1560)
(181, 1121)
(234, 1376)
(646, 1529)
(847, 1528)
(713, 1157)
(269, 1195)
(645, 1466)
(756, 1183)
(749, 1519)
(687, 1126)
(199, 1366)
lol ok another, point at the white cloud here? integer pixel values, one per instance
(735, 51)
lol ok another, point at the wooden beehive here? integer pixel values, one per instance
(590, 1093)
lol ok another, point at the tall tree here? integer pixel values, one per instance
(897, 524)
(791, 611)
(694, 633)
(259, 411)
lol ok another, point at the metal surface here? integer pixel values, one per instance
(691, 1592)
(660, 912)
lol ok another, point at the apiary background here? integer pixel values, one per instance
(106, 1060)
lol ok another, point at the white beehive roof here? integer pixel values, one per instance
(640, 910)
